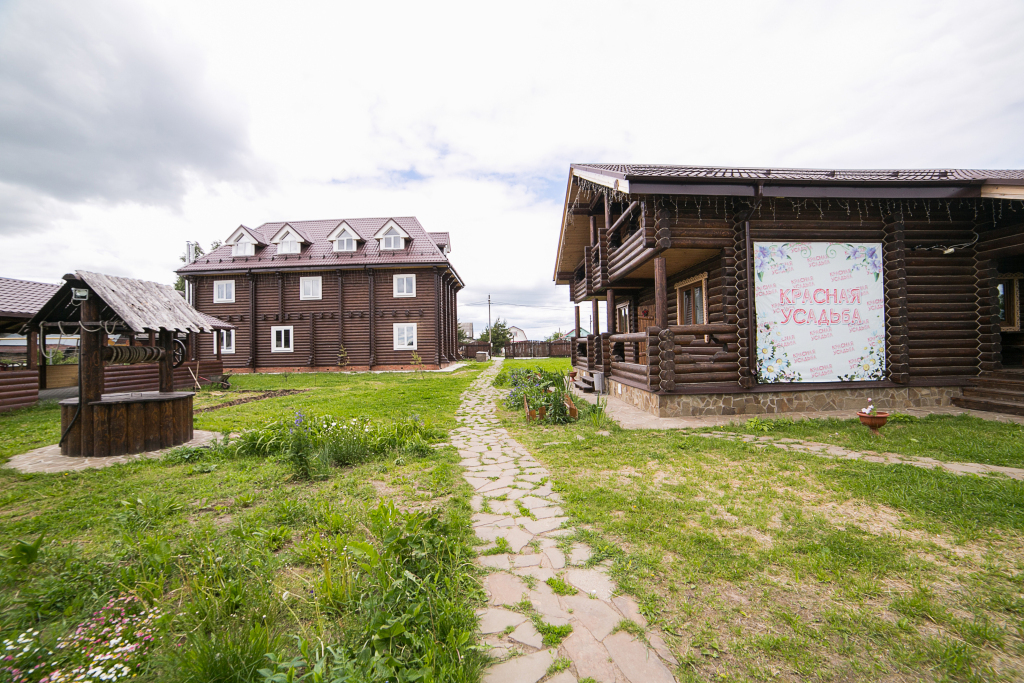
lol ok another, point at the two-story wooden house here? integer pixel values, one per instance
(743, 290)
(354, 294)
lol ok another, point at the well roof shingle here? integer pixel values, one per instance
(656, 171)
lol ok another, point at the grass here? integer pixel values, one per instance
(241, 556)
(949, 438)
(764, 564)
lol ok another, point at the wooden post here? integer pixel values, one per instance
(751, 307)
(218, 342)
(31, 351)
(577, 334)
(660, 293)
(341, 311)
(610, 310)
(438, 334)
(90, 368)
(167, 362)
(42, 357)
(373, 322)
(253, 346)
(593, 230)
(595, 323)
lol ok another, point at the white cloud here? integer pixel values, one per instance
(467, 115)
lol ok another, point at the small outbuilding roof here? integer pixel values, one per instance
(20, 299)
(138, 305)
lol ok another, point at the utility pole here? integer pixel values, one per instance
(489, 319)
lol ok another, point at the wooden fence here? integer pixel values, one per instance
(539, 349)
(470, 349)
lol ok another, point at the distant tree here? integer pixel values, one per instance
(499, 336)
(197, 251)
(554, 336)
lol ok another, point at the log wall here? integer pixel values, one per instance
(344, 314)
(18, 389)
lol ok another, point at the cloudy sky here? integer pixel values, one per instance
(127, 128)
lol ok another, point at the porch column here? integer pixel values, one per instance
(577, 333)
(595, 323)
(660, 294)
(90, 368)
(610, 310)
(42, 356)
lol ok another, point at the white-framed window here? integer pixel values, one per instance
(405, 285)
(392, 240)
(223, 291)
(289, 245)
(405, 336)
(346, 241)
(311, 287)
(227, 341)
(281, 339)
(245, 248)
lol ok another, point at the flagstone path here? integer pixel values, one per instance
(514, 501)
(831, 451)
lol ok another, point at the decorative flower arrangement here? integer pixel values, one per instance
(870, 410)
(871, 364)
(867, 258)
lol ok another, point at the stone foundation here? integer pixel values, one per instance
(695, 405)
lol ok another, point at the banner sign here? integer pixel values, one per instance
(820, 312)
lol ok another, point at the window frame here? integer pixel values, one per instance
(297, 243)
(394, 286)
(415, 337)
(273, 338)
(249, 245)
(689, 285)
(350, 236)
(397, 236)
(216, 284)
(625, 307)
(221, 336)
(319, 287)
(1011, 293)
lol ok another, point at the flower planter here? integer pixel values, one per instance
(873, 422)
(572, 375)
(571, 407)
(531, 413)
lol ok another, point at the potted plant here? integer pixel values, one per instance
(871, 418)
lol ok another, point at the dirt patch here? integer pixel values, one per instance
(249, 399)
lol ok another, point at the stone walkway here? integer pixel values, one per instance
(838, 452)
(516, 508)
(49, 460)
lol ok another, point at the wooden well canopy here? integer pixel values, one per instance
(126, 305)
(95, 306)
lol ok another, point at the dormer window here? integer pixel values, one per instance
(346, 241)
(289, 245)
(243, 242)
(243, 249)
(392, 240)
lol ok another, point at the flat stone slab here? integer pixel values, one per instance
(563, 677)
(497, 620)
(48, 460)
(505, 589)
(639, 664)
(661, 647)
(541, 525)
(547, 604)
(545, 513)
(494, 561)
(596, 615)
(526, 634)
(528, 669)
(579, 554)
(533, 502)
(589, 656)
(516, 537)
(591, 582)
(630, 610)
(556, 557)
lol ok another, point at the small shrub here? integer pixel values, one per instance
(560, 586)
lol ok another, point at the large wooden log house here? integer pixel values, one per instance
(352, 294)
(734, 290)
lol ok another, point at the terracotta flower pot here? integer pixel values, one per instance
(873, 422)
(572, 375)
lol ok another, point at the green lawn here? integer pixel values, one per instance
(761, 564)
(239, 554)
(949, 438)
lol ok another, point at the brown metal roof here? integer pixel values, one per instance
(139, 305)
(441, 239)
(420, 249)
(22, 298)
(657, 171)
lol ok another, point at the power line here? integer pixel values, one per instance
(502, 303)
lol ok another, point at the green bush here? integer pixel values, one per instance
(540, 388)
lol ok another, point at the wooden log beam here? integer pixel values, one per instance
(610, 310)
